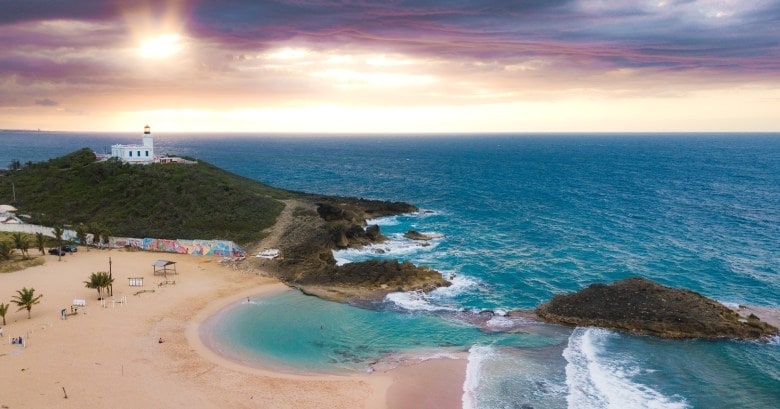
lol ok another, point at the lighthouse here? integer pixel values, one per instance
(148, 138)
(141, 154)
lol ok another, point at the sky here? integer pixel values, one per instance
(355, 66)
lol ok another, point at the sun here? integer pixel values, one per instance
(161, 47)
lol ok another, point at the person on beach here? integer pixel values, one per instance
(160, 341)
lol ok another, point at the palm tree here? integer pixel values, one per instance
(58, 232)
(25, 299)
(26, 248)
(6, 250)
(40, 242)
(3, 311)
(20, 242)
(99, 281)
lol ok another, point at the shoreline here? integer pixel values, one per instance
(400, 381)
(110, 356)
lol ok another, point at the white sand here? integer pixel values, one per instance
(110, 357)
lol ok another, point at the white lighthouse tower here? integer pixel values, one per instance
(149, 139)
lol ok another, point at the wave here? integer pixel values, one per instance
(397, 246)
(433, 301)
(501, 377)
(384, 221)
(597, 379)
(397, 219)
(416, 301)
(478, 356)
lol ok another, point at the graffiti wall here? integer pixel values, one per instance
(221, 248)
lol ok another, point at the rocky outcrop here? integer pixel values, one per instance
(641, 306)
(415, 235)
(310, 234)
(360, 283)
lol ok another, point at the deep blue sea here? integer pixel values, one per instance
(519, 219)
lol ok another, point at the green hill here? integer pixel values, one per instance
(187, 201)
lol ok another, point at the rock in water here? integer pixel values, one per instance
(415, 235)
(641, 306)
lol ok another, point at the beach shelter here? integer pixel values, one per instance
(162, 268)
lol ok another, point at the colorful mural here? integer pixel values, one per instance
(222, 248)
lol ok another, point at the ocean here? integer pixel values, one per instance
(518, 219)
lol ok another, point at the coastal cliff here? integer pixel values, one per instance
(641, 306)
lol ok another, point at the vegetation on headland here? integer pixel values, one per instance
(157, 200)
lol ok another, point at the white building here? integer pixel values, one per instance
(136, 153)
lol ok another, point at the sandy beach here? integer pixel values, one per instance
(109, 355)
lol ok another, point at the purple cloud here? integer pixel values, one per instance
(46, 102)
(568, 40)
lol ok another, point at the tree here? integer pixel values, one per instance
(15, 165)
(25, 299)
(81, 233)
(40, 242)
(99, 281)
(3, 311)
(6, 250)
(58, 232)
(94, 229)
(105, 236)
(21, 243)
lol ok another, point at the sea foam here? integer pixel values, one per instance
(397, 246)
(597, 379)
(478, 355)
(437, 299)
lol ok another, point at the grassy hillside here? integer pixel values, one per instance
(160, 200)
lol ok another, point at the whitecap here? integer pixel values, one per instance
(415, 301)
(459, 284)
(384, 221)
(598, 380)
(397, 246)
(501, 323)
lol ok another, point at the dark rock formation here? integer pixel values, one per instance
(415, 235)
(307, 243)
(641, 306)
(360, 283)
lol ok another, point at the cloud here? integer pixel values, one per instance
(46, 102)
(246, 53)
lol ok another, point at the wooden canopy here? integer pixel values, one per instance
(161, 267)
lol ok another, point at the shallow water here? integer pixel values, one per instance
(305, 333)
